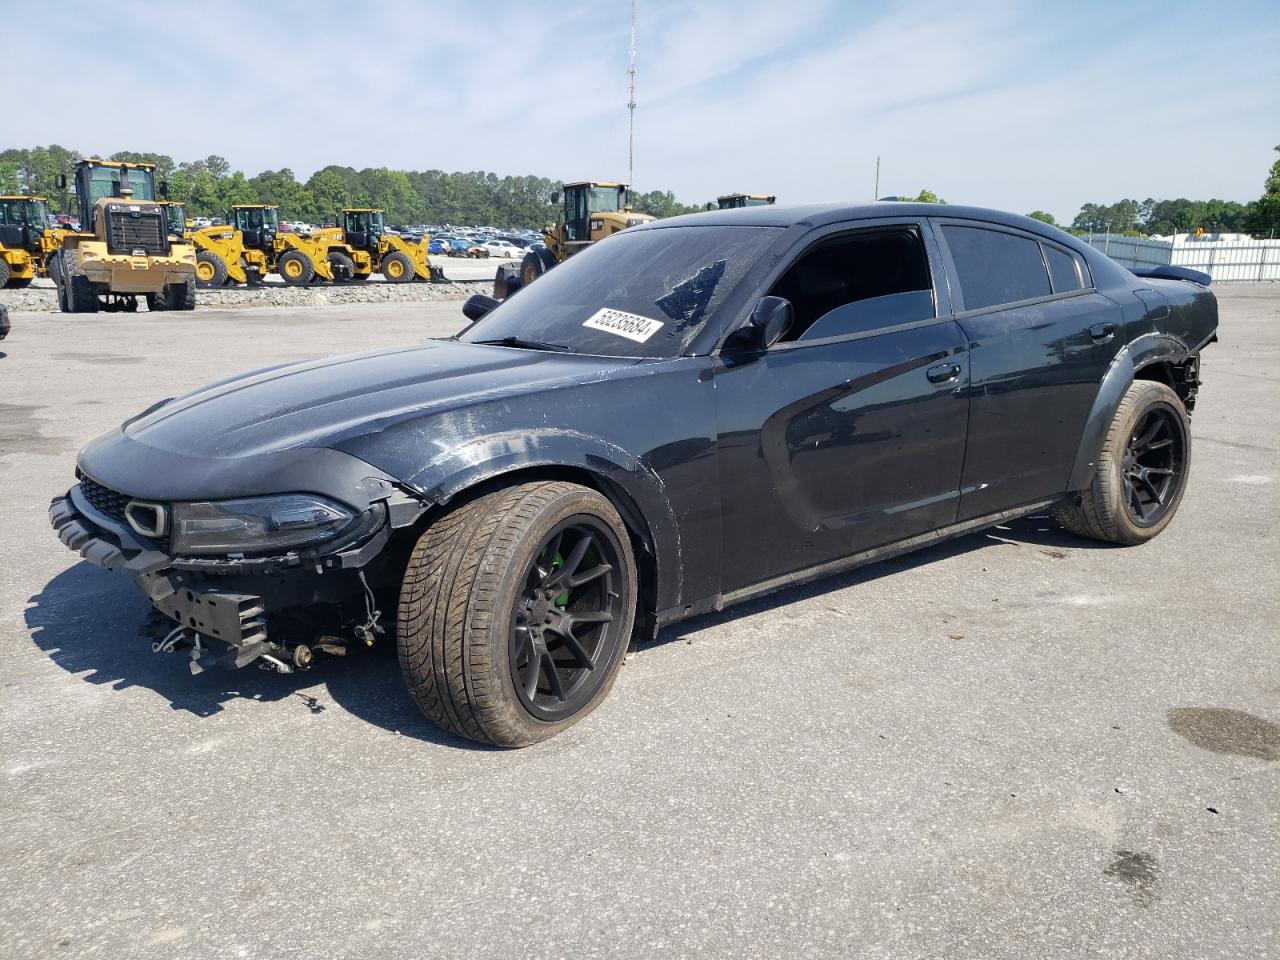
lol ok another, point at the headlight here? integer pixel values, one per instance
(261, 524)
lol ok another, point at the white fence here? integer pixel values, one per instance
(1244, 260)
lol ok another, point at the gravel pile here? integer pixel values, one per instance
(41, 299)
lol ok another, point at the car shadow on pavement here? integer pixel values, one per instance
(96, 625)
(1039, 532)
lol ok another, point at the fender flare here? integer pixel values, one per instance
(1132, 358)
(486, 458)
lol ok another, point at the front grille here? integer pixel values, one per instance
(104, 499)
(112, 503)
(128, 231)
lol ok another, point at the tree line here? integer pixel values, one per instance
(210, 187)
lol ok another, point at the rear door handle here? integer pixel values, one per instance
(943, 372)
(1102, 332)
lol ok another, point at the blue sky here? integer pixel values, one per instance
(1011, 105)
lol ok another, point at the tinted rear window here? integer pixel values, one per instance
(996, 267)
(1062, 268)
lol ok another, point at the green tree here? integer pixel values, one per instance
(1263, 217)
(1043, 217)
(927, 196)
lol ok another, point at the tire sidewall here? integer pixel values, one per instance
(513, 712)
(1153, 395)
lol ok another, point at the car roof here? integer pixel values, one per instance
(820, 214)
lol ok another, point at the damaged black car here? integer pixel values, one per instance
(693, 412)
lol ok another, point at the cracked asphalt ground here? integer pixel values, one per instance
(1015, 744)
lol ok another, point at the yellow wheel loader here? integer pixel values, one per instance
(731, 201)
(250, 246)
(123, 249)
(176, 213)
(592, 211)
(374, 250)
(26, 239)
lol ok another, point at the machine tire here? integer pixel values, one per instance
(397, 267)
(81, 297)
(4, 274)
(466, 594)
(1105, 511)
(295, 268)
(343, 267)
(181, 296)
(211, 270)
(531, 268)
(155, 302)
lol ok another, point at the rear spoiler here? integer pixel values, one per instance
(1167, 272)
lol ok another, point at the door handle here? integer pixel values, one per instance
(943, 372)
(1102, 332)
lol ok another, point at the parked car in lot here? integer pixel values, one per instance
(503, 248)
(436, 247)
(698, 411)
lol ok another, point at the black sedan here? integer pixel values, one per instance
(692, 412)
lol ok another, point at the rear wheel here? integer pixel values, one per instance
(343, 267)
(1141, 470)
(397, 267)
(80, 295)
(211, 269)
(516, 611)
(178, 296)
(4, 274)
(295, 267)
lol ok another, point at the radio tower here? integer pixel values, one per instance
(631, 103)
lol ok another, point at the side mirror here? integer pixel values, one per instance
(61, 181)
(164, 189)
(555, 197)
(477, 306)
(771, 318)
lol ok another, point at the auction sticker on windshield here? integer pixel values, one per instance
(629, 325)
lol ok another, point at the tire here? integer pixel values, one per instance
(211, 270)
(466, 622)
(182, 296)
(295, 268)
(343, 267)
(531, 268)
(155, 302)
(397, 267)
(80, 295)
(4, 274)
(1141, 471)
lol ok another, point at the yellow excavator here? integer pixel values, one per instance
(731, 201)
(250, 245)
(592, 210)
(28, 236)
(122, 249)
(374, 250)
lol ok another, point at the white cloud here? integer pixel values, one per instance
(1015, 106)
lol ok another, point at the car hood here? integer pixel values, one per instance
(319, 403)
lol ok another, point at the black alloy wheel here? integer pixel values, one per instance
(1152, 465)
(565, 628)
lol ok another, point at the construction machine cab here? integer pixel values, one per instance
(731, 201)
(177, 216)
(102, 180)
(363, 227)
(583, 200)
(23, 221)
(259, 223)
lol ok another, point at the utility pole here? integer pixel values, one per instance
(876, 195)
(631, 103)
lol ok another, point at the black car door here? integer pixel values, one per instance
(849, 432)
(1041, 340)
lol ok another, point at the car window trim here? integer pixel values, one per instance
(810, 239)
(954, 275)
(861, 334)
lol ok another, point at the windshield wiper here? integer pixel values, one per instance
(522, 342)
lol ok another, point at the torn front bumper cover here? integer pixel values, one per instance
(237, 619)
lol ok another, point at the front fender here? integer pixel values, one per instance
(1142, 352)
(464, 466)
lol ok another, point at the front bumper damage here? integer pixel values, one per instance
(228, 600)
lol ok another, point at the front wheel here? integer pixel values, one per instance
(516, 611)
(1141, 470)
